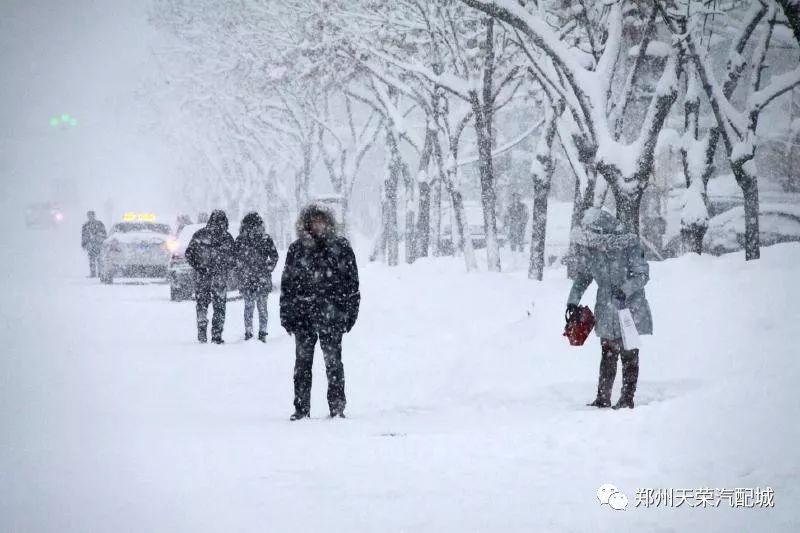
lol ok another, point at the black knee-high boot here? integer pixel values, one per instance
(630, 376)
(608, 371)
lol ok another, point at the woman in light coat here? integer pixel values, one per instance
(612, 256)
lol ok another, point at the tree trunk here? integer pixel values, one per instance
(542, 173)
(436, 231)
(749, 185)
(411, 218)
(488, 195)
(464, 238)
(390, 224)
(692, 237)
(424, 188)
(628, 206)
(411, 238)
(345, 223)
(541, 190)
(423, 220)
(391, 181)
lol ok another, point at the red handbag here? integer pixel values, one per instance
(579, 325)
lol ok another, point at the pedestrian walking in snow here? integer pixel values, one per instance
(211, 254)
(608, 253)
(516, 221)
(93, 233)
(319, 300)
(256, 258)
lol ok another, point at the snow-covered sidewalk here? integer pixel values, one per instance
(466, 407)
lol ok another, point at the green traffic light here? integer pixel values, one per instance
(65, 119)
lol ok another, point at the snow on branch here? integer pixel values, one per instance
(778, 85)
(468, 160)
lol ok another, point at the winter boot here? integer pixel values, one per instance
(605, 381)
(630, 377)
(201, 335)
(337, 413)
(248, 335)
(217, 340)
(262, 336)
(299, 415)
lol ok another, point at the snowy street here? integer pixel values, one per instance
(465, 406)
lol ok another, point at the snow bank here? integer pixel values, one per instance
(654, 49)
(776, 224)
(466, 405)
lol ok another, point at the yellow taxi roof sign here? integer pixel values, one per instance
(138, 217)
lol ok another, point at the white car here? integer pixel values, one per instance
(474, 213)
(777, 223)
(136, 250)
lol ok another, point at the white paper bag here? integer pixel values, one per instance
(630, 336)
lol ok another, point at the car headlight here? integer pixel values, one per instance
(171, 245)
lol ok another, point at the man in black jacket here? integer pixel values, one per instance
(319, 299)
(256, 258)
(93, 233)
(211, 254)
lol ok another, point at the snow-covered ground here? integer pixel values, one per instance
(466, 406)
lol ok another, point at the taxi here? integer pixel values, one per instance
(137, 247)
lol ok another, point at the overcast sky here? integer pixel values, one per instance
(86, 58)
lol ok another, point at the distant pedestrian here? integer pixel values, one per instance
(611, 256)
(256, 258)
(93, 233)
(211, 254)
(516, 221)
(320, 299)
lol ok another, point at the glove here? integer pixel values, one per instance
(572, 310)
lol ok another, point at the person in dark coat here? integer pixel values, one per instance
(611, 256)
(211, 254)
(320, 299)
(516, 221)
(256, 258)
(93, 233)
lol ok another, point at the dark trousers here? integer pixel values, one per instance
(612, 349)
(331, 344)
(94, 263)
(211, 291)
(252, 300)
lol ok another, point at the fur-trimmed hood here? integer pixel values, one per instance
(310, 213)
(601, 230)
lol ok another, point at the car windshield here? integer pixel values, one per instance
(130, 227)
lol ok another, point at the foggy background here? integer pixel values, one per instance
(87, 59)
